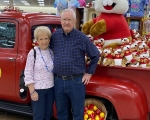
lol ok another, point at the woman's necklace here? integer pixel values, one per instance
(44, 60)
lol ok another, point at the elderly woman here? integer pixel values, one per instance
(39, 77)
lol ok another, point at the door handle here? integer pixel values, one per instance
(11, 59)
(0, 72)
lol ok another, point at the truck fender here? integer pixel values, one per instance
(127, 97)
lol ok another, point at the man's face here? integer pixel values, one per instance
(67, 21)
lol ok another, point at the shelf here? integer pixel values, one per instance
(83, 15)
(79, 16)
(90, 13)
(146, 26)
(135, 23)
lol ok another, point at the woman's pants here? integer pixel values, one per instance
(42, 109)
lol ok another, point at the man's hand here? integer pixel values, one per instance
(86, 78)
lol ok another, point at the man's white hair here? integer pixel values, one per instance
(69, 10)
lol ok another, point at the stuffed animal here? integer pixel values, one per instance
(108, 57)
(100, 42)
(143, 59)
(127, 53)
(60, 5)
(134, 47)
(100, 57)
(118, 57)
(34, 43)
(110, 24)
(142, 47)
(148, 63)
(135, 34)
(134, 62)
(91, 38)
(125, 41)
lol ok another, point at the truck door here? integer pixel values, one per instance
(8, 54)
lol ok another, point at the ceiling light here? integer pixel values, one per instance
(41, 5)
(41, 2)
(6, 1)
(24, 1)
(27, 4)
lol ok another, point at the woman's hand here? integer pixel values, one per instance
(34, 96)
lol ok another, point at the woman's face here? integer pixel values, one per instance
(43, 41)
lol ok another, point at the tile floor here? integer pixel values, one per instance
(12, 116)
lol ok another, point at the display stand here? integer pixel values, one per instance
(146, 26)
(136, 23)
(79, 16)
(83, 15)
(90, 13)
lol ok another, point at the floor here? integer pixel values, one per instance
(12, 116)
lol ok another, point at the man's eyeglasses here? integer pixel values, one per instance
(67, 20)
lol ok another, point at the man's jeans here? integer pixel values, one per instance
(69, 91)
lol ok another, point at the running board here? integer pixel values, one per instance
(12, 107)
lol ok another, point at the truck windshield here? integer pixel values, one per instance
(52, 28)
(7, 34)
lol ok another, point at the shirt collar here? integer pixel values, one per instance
(70, 33)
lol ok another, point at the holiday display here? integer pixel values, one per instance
(111, 24)
(135, 53)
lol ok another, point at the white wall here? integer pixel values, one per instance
(35, 9)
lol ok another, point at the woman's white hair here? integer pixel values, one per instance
(42, 29)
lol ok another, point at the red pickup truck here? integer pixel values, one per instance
(123, 90)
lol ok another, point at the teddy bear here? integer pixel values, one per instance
(127, 53)
(110, 24)
(100, 42)
(134, 62)
(134, 47)
(148, 42)
(125, 41)
(148, 64)
(107, 55)
(142, 47)
(135, 34)
(34, 43)
(143, 59)
(100, 56)
(118, 57)
(87, 59)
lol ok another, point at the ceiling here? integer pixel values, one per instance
(47, 3)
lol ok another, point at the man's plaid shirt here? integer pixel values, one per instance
(69, 53)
